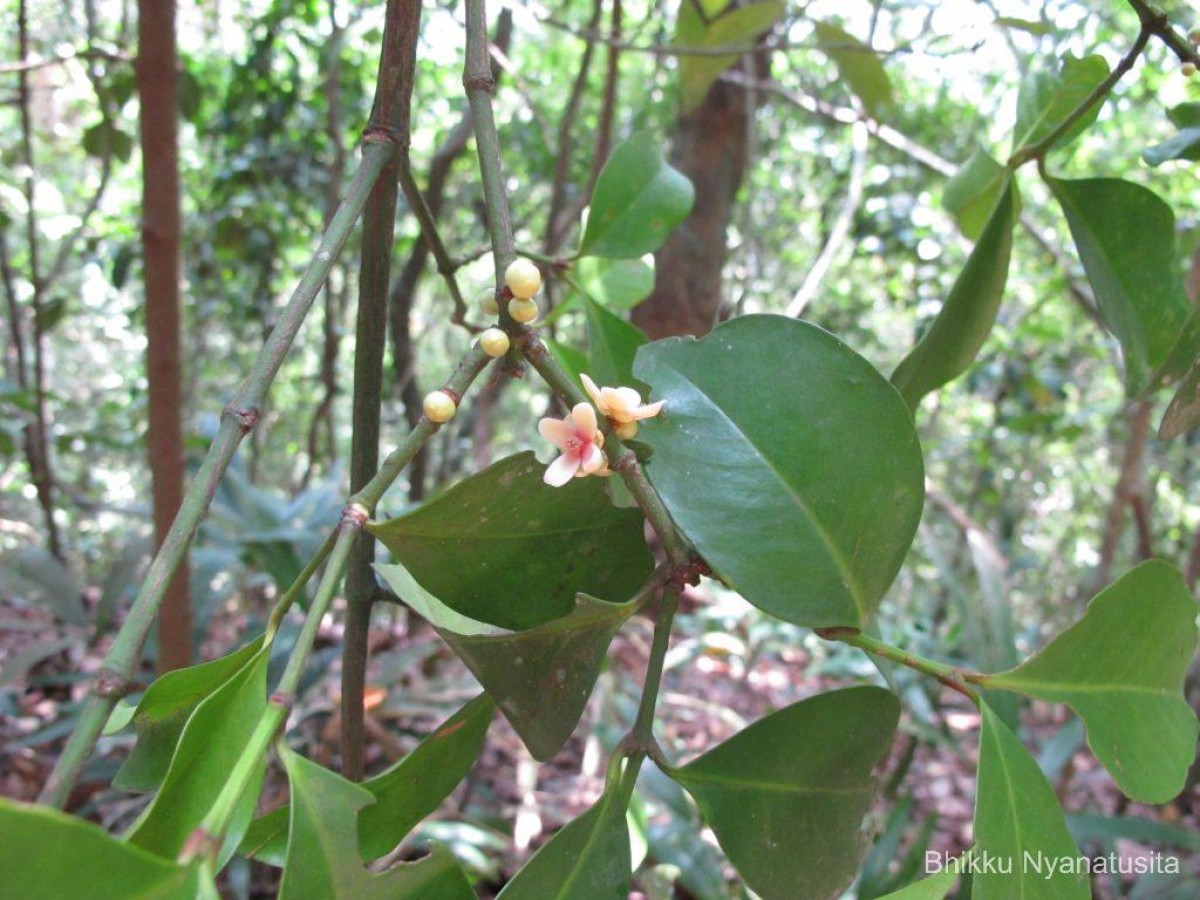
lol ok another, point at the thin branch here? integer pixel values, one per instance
(1157, 24)
(841, 226)
(390, 115)
(30, 65)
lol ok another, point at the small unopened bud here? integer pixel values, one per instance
(439, 407)
(523, 278)
(488, 304)
(626, 430)
(1188, 69)
(494, 342)
(523, 311)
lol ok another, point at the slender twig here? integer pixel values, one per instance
(390, 116)
(841, 225)
(1159, 25)
(29, 65)
(1041, 148)
(951, 676)
(238, 419)
(433, 240)
(608, 103)
(37, 431)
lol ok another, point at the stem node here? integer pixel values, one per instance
(246, 417)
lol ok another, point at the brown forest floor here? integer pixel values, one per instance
(416, 683)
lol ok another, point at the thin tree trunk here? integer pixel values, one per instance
(710, 148)
(156, 80)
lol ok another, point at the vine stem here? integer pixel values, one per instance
(951, 676)
(112, 681)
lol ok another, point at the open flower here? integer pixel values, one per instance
(579, 440)
(622, 405)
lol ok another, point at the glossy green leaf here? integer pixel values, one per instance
(1018, 822)
(1121, 668)
(787, 796)
(722, 25)
(638, 201)
(588, 859)
(210, 745)
(406, 792)
(935, 887)
(504, 548)
(47, 854)
(952, 342)
(164, 710)
(971, 195)
(1046, 99)
(859, 66)
(612, 346)
(616, 283)
(574, 361)
(322, 857)
(771, 416)
(1125, 235)
(1183, 412)
(1184, 145)
(541, 677)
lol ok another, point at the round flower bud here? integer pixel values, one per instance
(1188, 69)
(488, 304)
(439, 407)
(523, 278)
(494, 342)
(1194, 36)
(523, 311)
(626, 430)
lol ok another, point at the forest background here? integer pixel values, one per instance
(821, 194)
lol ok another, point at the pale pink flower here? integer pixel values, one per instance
(579, 440)
(622, 405)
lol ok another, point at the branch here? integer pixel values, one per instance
(390, 116)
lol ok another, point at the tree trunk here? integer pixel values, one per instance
(156, 82)
(710, 149)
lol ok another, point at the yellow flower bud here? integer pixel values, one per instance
(523, 278)
(494, 342)
(523, 311)
(439, 407)
(488, 304)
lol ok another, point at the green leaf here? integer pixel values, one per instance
(504, 548)
(770, 415)
(588, 858)
(210, 745)
(405, 793)
(725, 27)
(972, 194)
(322, 857)
(935, 887)
(48, 854)
(1185, 115)
(1185, 145)
(542, 677)
(612, 346)
(1016, 813)
(1125, 235)
(1046, 99)
(952, 342)
(35, 575)
(106, 139)
(638, 201)
(859, 66)
(574, 361)
(164, 710)
(787, 796)
(1121, 668)
(1037, 28)
(1183, 412)
(616, 283)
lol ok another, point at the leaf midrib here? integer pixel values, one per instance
(775, 787)
(818, 526)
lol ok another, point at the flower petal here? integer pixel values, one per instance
(584, 418)
(561, 470)
(648, 411)
(592, 461)
(592, 391)
(556, 431)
